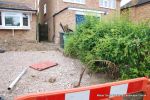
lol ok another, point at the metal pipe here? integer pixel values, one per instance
(17, 79)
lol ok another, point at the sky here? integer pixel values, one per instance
(123, 2)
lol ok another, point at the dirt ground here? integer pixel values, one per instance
(20, 55)
(63, 76)
(13, 45)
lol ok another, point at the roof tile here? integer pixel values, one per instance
(139, 2)
(15, 6)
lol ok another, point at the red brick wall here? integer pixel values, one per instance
(140, 13)
(89, 4)
(66, 17)
(54, 6)
(20, 35)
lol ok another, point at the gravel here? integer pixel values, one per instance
(59, 77)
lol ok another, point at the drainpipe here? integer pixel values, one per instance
(37, 27)
(53, 37)
(54, 15)
(53, 18)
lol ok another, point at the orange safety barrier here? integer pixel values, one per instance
(107, 91)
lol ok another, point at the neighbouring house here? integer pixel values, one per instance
(137, 10)
(18, 20)
(71, 12)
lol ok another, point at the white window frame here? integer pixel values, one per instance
(75, 1)
(4, 14)
(1, 19)
(45, 8)
(88, 13)
(112, 2)
(20, 15)
(29, 24)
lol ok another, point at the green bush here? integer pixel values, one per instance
(123, 43)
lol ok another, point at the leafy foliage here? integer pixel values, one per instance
(123, 43)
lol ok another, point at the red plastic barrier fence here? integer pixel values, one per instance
(108, 91)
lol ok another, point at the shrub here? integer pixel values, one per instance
(119, 41)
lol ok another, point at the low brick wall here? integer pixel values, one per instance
(20, 35)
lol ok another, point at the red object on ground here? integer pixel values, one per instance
(43, 65)
(107, 91)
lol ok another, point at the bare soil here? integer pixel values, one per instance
(13, 45)
(21, 54)
(63, 76)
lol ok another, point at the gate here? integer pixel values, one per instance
(43, 32)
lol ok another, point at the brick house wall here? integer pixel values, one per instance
(140, 13)
(67, 17)
(20, 34)
(137, 13)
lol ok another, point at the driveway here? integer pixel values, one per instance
(66, 73)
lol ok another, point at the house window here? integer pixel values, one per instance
(75, 1)
(25, 20)
(107, 3)
(0, 19)
(14, 20)
(45, 8)
(80, 19)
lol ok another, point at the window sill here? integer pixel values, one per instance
(75, 3)
(107, 7)
(16, 28)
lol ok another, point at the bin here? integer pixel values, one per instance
(62, 36)
(63, 39)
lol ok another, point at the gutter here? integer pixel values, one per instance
(17, 9)
(79, 9)
(60, 11)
